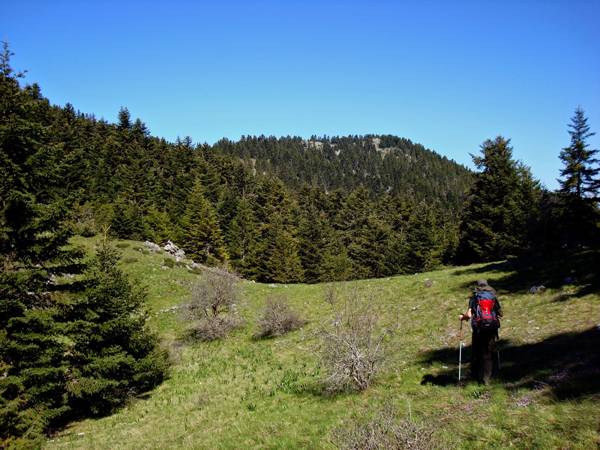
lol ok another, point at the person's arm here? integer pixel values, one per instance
(498, 308)
(467, 315)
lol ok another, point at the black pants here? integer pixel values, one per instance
(482, 357)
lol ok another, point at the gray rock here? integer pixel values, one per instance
(537, 289)
(174, 251)
(154, 248)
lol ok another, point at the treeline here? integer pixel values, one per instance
(508, 213)
(292, 210)
(383, 164)
(210, 202)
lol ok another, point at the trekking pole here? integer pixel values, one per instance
(460, 346)
(498, 354)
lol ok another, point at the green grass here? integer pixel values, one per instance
(247, 393)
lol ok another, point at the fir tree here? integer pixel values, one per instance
(111, 352)
(580, 186)
(581, 175)
(242, 236)
(124, 119)
(202, 238)
(276, 228)
(33, 239)
(424, 243)
(127, 220)
(494, 224)
(283, 263)
(313, 233)
(157, 225)
(336, 265)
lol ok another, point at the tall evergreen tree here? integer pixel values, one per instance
(424, 243)
(282, 262)
(202, 237)
(157, 225)
(494, 224)
(275, 255)
(36, 349)
(124, 119)
(242, 236)
(127, 220)
(33, 238)
(313, 233)
(581, 174)
(580, 186)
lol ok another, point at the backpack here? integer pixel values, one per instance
(485, 317)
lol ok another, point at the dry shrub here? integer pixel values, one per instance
(331, 294)
(384, 431)
(212, 307)
(351, 349)
(277, 318)
(213, 328)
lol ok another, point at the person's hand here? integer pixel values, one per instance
(462, 317)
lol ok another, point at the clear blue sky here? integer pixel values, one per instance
(447, 74)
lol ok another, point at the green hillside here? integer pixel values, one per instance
(383, 163)
(247, 393)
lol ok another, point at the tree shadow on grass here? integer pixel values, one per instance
(578, 269)
(567, 364)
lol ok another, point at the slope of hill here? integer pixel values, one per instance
(143, 187)
(382, 163)
(246, 393)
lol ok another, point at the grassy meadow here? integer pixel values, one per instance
(248, 393)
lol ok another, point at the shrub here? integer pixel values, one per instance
(212, 305)
(214, 328)
(277, 319)
(331, 294)
(384, 431)
(351, 350)
(168, 262)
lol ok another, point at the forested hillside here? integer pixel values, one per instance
(384, 164)
(283, 210)
(292, 210)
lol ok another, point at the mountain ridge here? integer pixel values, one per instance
(382, 163)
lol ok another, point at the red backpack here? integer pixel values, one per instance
(485, 317)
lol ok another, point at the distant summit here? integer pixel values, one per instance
(382, 163)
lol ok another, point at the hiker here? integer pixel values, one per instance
(485, 312)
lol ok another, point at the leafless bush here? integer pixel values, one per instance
(212, 307)
(384, 431)
(331, 294)
(352, 351)
(277, 318)
(213, 328)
